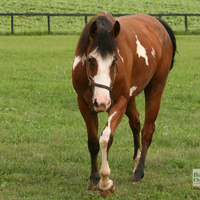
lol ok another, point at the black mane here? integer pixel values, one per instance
(103, 41)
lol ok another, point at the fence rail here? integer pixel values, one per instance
(85, 16)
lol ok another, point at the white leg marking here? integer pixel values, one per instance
(120, 56)
(137, 160)
(77, 59)
(141, 51)
(132, 90)
(105, 183)
(106, 132)
(153, 53)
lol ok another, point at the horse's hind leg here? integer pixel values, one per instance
(134, 123)
(153, 94)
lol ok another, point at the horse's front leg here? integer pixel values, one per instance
(116, 113)
(91, 121)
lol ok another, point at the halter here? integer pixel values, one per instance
(92, 83)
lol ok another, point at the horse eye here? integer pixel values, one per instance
(90, 61)
(115, 61)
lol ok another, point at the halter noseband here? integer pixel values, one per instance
(92, 83)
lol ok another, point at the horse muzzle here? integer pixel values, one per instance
(101, 105)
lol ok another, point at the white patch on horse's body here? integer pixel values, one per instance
(105, 169)
(141, 51)
(137, 160)
(153, 53)
(120, 56)
(132, 90)
(77, 59)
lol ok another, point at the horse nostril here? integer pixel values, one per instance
(96, 104)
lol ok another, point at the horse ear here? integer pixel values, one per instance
(115, 30)
(93, 30)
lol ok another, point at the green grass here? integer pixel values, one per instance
(74, 25)
(43, 139)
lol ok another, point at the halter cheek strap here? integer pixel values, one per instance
(92, 83)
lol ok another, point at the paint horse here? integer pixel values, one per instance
(115, 60)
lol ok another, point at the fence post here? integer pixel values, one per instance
(186, 26)
(12, 25)
(49, 27)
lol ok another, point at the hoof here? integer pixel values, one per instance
(105, 193)
(90, 191)
(92, 188)
(107, 189)
(134, 182)
(137, 176)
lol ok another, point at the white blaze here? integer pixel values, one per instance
(103, 72)
(103, 76)
(141, 51)
(132, 90)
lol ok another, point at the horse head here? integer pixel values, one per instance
(101, 64)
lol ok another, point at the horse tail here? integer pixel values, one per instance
(172, 36)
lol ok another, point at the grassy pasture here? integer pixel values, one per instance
(74, 25)
(43, 140)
